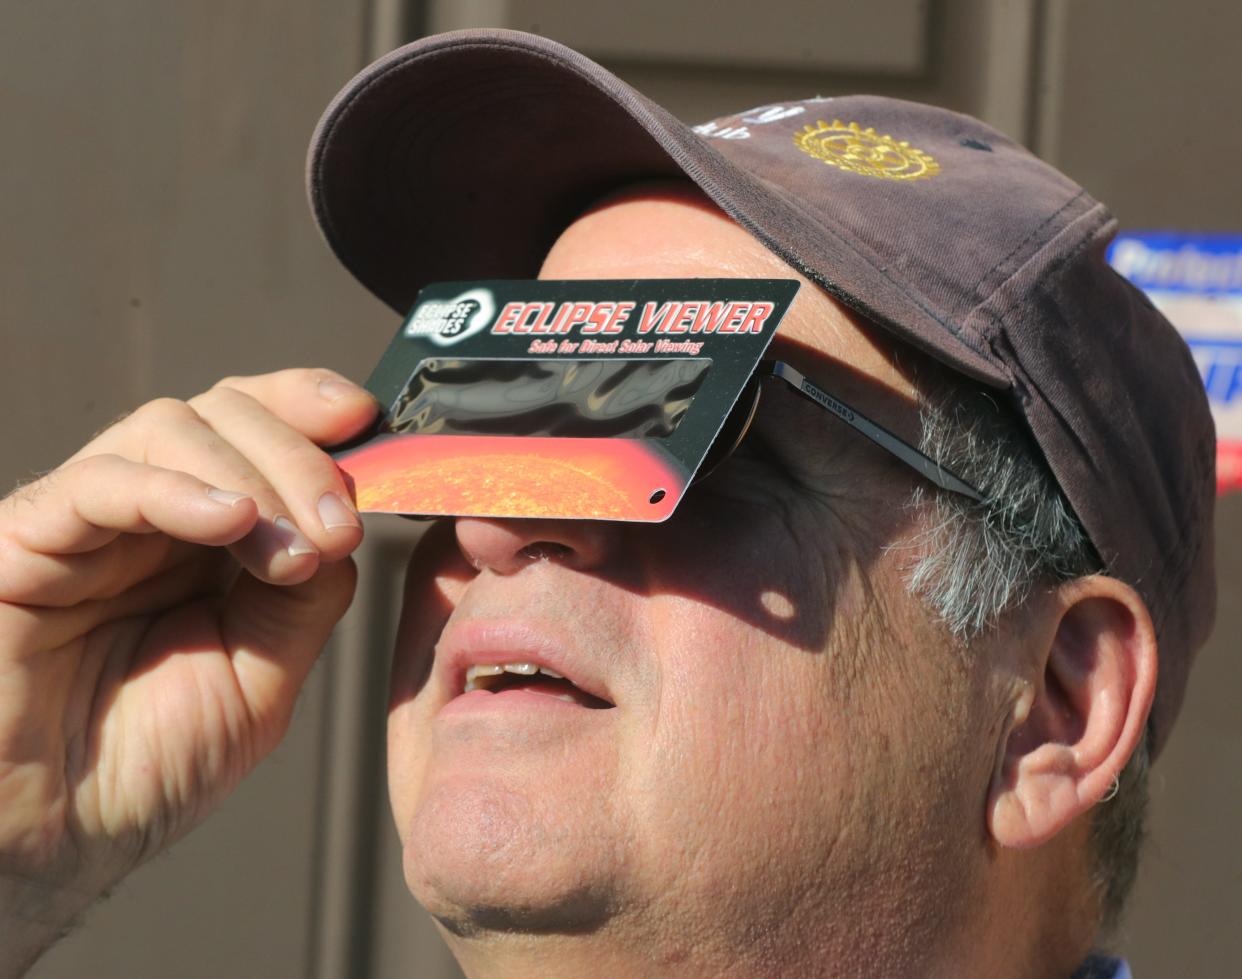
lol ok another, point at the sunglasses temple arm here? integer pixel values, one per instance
(881, 436)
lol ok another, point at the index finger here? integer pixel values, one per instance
(321, 404)
(84, 505)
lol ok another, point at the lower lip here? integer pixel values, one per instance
(528, 699)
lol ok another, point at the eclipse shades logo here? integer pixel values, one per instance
(448, 321)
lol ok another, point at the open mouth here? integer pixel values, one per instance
(498, 678)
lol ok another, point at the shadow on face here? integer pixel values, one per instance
(804, 503)
(733, 640)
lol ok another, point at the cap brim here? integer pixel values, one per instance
(463, 156)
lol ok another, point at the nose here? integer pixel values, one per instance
(506, 546)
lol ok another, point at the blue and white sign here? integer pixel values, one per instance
(1196, 281)
(1165, 261)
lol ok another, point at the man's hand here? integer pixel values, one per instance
(163, 595)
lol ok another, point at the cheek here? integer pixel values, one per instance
(778, 578)
(406, 764)
(741, 638)
(746, 764)
(436, 578)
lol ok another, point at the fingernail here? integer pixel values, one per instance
(225, 497)
(333, 390)
(293, 539)
(335, 513)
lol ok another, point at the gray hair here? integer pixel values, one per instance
(976, 562)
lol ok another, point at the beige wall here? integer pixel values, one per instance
(154, 236)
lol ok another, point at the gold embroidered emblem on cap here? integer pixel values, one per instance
(850, 147)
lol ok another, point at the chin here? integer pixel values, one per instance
(482, 857)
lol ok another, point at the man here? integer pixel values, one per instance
(825, 721)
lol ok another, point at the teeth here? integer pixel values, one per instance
(495, 669)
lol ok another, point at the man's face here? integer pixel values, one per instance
(789, 734)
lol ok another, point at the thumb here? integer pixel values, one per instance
(274, 633)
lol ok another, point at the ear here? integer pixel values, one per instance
(1075, 725)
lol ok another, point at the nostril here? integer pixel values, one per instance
(546, 550)
(507, 546)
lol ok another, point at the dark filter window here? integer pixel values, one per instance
(642, 399)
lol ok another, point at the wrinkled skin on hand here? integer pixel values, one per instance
(163, 595)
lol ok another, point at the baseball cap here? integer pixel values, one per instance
(463, 156)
